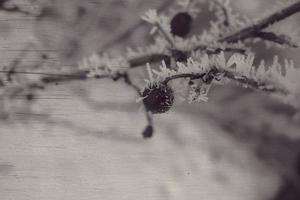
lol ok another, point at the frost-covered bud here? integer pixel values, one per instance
(158, 98)
(181, 24)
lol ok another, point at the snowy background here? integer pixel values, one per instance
(86, 141)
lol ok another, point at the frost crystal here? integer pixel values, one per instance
(151, 16)
(240, 68)
(104, 65)
(159, 47)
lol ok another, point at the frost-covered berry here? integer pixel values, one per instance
(158, 98)
(181, 24)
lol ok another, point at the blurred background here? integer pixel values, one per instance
(82, 139)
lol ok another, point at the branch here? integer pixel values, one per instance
(264, 23)
(230, 75)
(210, 50)
(252, 83)
(279, 39)
(82, 74)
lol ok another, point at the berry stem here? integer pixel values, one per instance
(128, 81)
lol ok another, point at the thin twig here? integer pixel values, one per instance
(262, 24)
(213, 50)
(230, 75)
(279, 39)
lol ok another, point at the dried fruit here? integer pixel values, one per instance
(181, 24)
(158, 98)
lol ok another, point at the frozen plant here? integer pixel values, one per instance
(201, 59)
(220, 54)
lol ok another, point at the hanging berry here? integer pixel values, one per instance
(181, 24)
(158, 98)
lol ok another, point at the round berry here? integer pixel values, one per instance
(181, 24)
(158, 98)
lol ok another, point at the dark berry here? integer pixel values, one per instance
(181, 24)
(148, 132)
(158, 98)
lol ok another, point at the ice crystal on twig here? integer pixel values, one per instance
(280, 78)
(158, 47)
(151, 16)
(104, 65)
